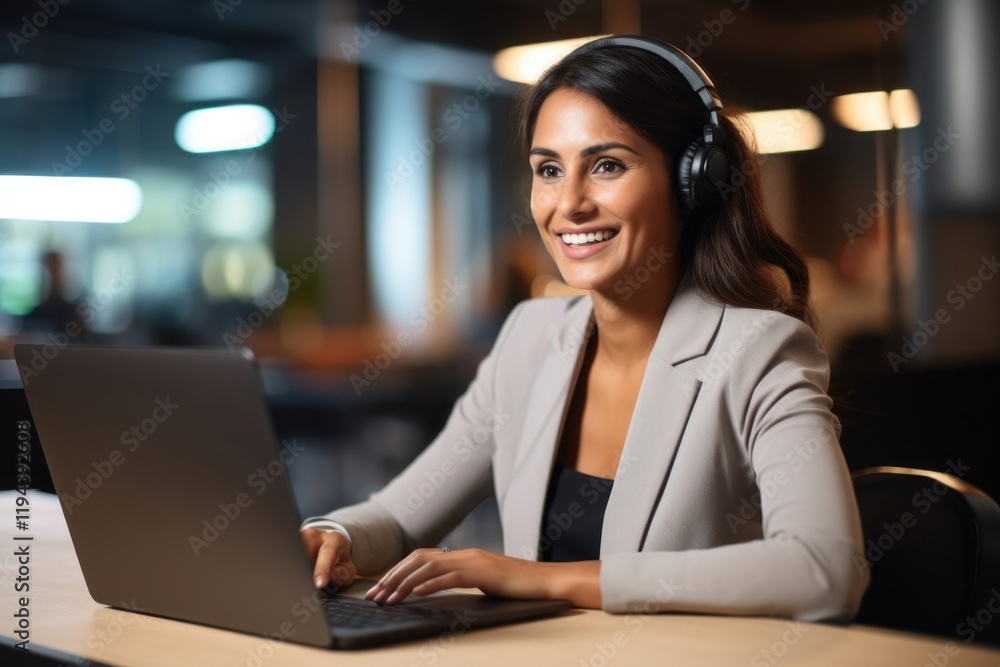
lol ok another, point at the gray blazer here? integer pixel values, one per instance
(732, 495)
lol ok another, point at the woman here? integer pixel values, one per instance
(665, 442)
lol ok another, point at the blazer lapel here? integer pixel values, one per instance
(661, 412)
(545, 409)
(666, 398)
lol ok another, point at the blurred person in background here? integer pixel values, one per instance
(56, 311)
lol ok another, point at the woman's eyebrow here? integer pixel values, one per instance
(586, 152)
(547, 152)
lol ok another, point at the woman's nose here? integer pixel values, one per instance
(574, 198)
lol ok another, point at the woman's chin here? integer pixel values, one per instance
(585, 285)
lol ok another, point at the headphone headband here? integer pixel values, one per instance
(695, 76)
(704, 168)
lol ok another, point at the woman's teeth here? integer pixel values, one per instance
(585, 239)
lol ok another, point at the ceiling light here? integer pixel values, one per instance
(229, 128)
(877, 110)
(525, 64)
(69, 198)
(785, 130)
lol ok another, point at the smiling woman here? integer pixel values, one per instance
(601, 192)
(664, 442)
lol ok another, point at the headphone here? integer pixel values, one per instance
(704, 165)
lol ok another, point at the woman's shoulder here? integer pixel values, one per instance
(767, 323)
(760, 335)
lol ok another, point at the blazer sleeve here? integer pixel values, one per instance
(422, 504)
(809, 565)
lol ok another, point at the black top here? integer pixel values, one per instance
(573, 516)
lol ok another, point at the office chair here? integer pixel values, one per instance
(932, 542)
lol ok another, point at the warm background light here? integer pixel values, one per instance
(525, 64)
(877, 110)
(785, 130)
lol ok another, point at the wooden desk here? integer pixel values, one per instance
(64, 617)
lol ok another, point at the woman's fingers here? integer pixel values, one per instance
(421, 565)
(434, 570)
(333, 558)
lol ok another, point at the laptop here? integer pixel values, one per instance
(174, 490)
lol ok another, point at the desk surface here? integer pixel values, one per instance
(65, 618)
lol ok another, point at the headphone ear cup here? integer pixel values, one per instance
(687, 188)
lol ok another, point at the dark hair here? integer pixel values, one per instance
(735, 255)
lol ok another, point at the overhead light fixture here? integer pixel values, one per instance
(877, 110)
(228, 128)
(71, 199)
(525, 64)
(785, 130)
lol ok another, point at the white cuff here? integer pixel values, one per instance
(326, 525)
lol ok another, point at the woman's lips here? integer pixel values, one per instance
(581, 246)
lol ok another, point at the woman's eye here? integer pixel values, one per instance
(608, 166)
(547, 171)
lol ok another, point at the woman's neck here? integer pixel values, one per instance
(628, 320)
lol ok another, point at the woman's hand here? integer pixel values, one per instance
(428, 570)
(330, 553)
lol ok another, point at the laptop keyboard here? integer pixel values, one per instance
(345, 612)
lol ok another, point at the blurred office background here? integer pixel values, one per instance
(337, 185)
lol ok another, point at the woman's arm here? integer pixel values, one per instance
(809, 565)
(438, 489)
(428, 570)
